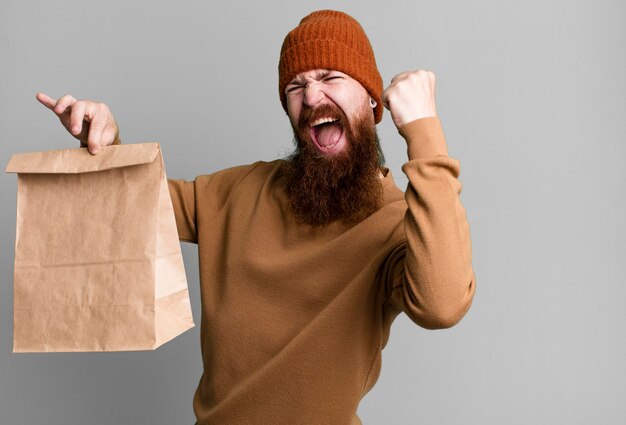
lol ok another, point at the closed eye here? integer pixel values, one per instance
(294, 89)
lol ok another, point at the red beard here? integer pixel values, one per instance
(345, 186)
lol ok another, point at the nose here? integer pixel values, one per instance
(312, 94)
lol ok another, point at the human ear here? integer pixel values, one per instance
(373, 102)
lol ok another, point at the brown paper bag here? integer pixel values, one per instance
(98, 265)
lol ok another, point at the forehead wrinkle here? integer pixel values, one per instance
(319, 74)
(322, 73)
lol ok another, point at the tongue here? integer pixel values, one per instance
(327, 134)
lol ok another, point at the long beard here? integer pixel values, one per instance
(345, 186)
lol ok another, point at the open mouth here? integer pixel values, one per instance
(327, 133)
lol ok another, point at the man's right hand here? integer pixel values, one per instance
(90, 122)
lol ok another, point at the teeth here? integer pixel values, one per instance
(322, 121)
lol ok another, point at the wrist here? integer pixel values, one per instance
(424, 137)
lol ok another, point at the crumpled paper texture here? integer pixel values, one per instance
(98, 265)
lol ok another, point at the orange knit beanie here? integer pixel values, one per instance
(329, 39)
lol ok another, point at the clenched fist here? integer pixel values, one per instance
(90, 122)
(410, 96)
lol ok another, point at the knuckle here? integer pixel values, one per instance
(95, 125)
(398, 77)
(103, 107)
(403, 84)
(68, 98)
(415, 76)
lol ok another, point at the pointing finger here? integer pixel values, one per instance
(46, 100)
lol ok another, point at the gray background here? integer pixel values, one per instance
(532, 99)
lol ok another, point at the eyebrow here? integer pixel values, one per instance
(323, 73)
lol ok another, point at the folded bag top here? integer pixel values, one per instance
(75, 161)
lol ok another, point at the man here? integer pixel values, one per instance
(306, 262)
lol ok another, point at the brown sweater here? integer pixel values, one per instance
(294, 321)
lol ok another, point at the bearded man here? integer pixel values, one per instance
(305, 262)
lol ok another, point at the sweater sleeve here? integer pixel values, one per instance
(199, 201)
(184, 200)
(430, 275)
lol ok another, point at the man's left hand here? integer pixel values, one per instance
(410, 96)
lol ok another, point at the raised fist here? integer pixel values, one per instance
(410, 96)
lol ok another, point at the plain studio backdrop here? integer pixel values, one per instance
(533, 103)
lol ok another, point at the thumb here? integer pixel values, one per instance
(385, 99)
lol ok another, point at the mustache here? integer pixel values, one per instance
(308, 115)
